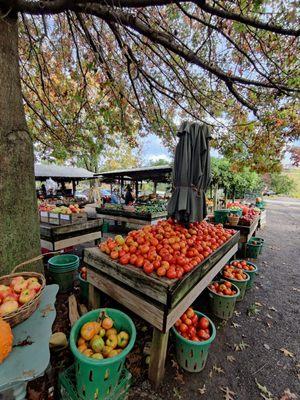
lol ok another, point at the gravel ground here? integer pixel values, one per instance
(273, 325)
(269, 363)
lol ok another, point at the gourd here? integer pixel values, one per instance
(6, 339)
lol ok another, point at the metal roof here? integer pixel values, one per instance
(44, 171)
(159, 173)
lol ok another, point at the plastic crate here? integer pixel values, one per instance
(67, 386)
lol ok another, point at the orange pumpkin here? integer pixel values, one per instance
(6, 340)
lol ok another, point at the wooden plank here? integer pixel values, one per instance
(133, 220)
(151, 286)
(73, 311)
(73, 241)
(149, 312)
(47, 230)
(94, 297)
(181, 307)
(158, 357)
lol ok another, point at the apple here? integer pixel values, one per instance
(31, 280)
(15, 280)
(19, 287)
(10, 297)
(8, 307)
(4, 291)
(26, 295)
(35, 286)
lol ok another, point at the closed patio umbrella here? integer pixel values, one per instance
(191, 173)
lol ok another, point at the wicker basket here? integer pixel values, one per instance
(233, 219)
(25, 311)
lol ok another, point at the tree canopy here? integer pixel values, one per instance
(231, 64)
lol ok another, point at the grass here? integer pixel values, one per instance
(294, 174)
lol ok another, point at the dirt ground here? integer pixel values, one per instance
(255, 355)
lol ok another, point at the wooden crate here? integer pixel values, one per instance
(161, 299)
(131, 214)
(62, 219)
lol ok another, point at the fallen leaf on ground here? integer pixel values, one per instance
(287, 353)
(269, 316)
(258, 304)
(237, 313)
(219, 370)
(264, 392)
(287, 395)
(202, 390)
(228, 394)
(266, 346)
(273, 309)
(179, 377)
(230, 358)
(177, 393)
(296, 289)
(240, 346)
(174, 364)
(235, 325)
(210, 374)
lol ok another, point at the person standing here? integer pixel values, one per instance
(128, 196)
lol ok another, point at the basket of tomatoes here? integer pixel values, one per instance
(250, 268)
(194, 332)
(237, 276)
(223, 295)
(100, 341)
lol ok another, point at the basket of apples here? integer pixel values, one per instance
(194, 333)
(20, 295)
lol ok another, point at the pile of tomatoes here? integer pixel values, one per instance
(234, 273)
(191, 327)
(167, 248)
(242, 265)
(223, 288)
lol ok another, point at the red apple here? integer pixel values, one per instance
(36, 286)
(19, 287)
(31, 280)
(26, 295)
(15, 280)
(4, 291)
(8, 307)
(11, 297)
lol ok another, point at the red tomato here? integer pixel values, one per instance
(190, 312)
(125, 259)
(171, 273)
(133, 259)
(203, 323)
(202, 334)
(148, 267)
(183, 328)
(161, 271)
(195, 320)
(140, 261)
(192, 331)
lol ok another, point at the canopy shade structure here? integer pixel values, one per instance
(191, 173)
(60, 172)
(160, 173)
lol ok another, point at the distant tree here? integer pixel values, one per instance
(295, 155)
(160, 161)
(281, 184)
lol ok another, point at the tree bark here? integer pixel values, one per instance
(19, 224)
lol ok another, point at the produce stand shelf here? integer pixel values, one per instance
(130, 217)
(61, 236)
(158, 300)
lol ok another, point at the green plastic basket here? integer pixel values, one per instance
(63, 261)
(259, 240)
(236, 212)
(242, 285)
(252, 274)
(67, 385)
(223, 306)
(105, 227)
(190, 355)
(253, 250)
(65, 280)
(84, 287)
(97, 379)
(221, 216)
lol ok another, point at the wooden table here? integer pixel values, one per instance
(57, 237)
(130, 217)
(246, 233)
(26, 363)
(159, 301)
(262, 219)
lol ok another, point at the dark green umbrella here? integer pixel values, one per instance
(191, 173)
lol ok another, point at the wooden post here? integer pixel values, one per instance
(154, 187)
(136, 189)
(158, 357)
(73, 186)
(94, 297)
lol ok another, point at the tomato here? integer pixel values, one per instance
(183, 328)
(148, 268)
(227, 284)
(190, 312)
(178, 322)
(192, 331)
(202, 334)
(161, 271)
(165, 265)
(125, 259)
(140, 240)
(203, 323)
(195, 319)
(114, 255)
(139, 262)
(171, 273)
(132, 249)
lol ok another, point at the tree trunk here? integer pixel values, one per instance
(19, 224)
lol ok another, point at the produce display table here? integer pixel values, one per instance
(59, 237)
(30, 356)
(131, 217)
(262, 219)
(158, 300)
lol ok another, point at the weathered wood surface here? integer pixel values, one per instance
(73, 311)
(158, 357)
(245, 231)
(71, 241)
(131, 220)
(161, 289)
(263, 219)
(131, 214)
(135, 303)
(59, 232)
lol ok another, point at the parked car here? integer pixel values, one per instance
(269, 193)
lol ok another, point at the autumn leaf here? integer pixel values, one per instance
(219, 370)
(237, 313)
(230, 358)
(286, 352)
(177, 393)
(296, 289)
(273, 309)
(179, 377)
(228, 394)
(240, 346)
(258, 304)
(266, 346)
(202, 390)
(235, 325)
(264, 392)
